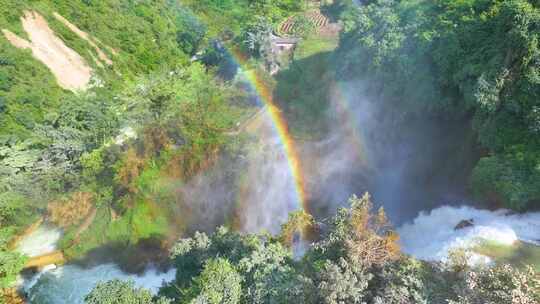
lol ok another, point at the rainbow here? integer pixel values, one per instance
(265, 94)
(350, 123)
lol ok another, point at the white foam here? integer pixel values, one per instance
(41, 241)
(432, 235)
(29, 283)
(126, 133)
(69, 284)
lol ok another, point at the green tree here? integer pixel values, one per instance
(191, 32)
(119, 292)
(453, 59)
(501, 284)
(11, 263)
(218, 283)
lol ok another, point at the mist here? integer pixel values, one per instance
(408, 162)
(251, 189)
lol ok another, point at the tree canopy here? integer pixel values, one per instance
(456, 58)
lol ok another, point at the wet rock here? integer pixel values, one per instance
(464, 224)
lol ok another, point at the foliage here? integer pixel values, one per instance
(362, 237)
(502, 284)
(119, 292)
(191, 33)
(343, 283)
(303, 87)
(262, 263)
(234, 16)
(229, 267)
(218, 283)
(514, 178)
(72, 211)
(258, 39)
(453, 58)
(358, 260)
(10, 265)
(299, 223)
(151, 120)
(140, 38)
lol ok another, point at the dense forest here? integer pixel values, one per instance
(164, 99)
(448, 58)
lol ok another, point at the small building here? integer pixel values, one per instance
(283, 44)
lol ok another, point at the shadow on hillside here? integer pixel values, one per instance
(302, 92)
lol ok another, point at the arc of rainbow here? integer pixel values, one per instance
(279, 123)
(265, 94)
(350, 123)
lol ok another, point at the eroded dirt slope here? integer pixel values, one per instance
(70, 69)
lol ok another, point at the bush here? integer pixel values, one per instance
(501, 284)
(119, 292)
(68, 212)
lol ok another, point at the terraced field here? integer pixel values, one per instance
(290, 26)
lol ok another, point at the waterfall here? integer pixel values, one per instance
(432, 234)
(40, 241)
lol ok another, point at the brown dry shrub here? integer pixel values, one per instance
(156, 139)
(11, 296)
(191, 160)
(129, 170)
(372, 242)
(70, 211)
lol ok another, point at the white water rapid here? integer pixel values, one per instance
(69, 284)
(41, 241)
(432, 235)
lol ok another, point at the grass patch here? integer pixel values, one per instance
(315, 45)
(518, 255)
(93, 237)
(140, 222)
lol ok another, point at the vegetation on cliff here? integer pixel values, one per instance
(476, 59)
(161, 111)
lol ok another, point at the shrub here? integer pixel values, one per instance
(500, 284)
(68, 212)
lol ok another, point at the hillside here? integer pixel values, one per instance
(205, 151)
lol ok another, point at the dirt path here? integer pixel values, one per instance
(69, 68)
(83, 35)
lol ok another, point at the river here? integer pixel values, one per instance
(430, 236)
(68, 284)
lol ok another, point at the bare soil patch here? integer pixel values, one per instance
(70, 69)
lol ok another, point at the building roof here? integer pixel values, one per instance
(284, 40)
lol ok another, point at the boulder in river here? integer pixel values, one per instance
(464, 224)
